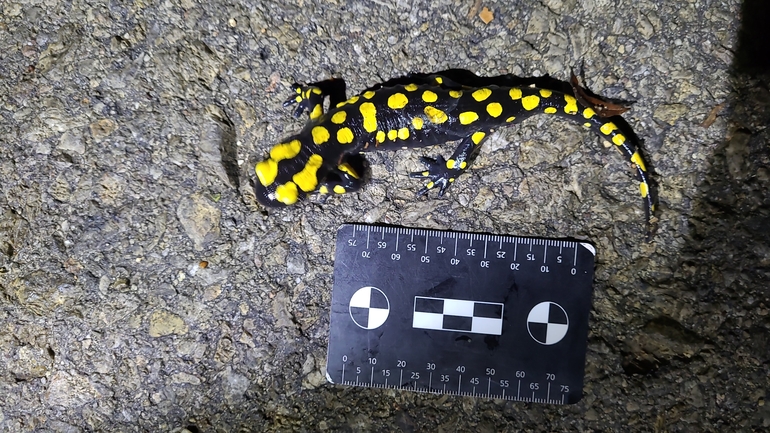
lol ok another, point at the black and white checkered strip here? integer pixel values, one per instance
(443, 314)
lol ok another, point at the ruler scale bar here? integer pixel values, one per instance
(500, 315)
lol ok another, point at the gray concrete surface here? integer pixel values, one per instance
(142, 288)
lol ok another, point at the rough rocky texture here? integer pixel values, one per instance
(143, 289)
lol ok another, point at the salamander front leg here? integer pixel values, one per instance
(310, 98)
(441, 173)
(346, 177)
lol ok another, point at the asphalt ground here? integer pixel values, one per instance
(144, 289)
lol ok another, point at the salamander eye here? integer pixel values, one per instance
(266, 195)
(277, 194)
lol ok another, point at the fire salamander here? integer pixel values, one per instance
(423, 111)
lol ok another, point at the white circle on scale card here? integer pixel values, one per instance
(369, 307)
(547, 323)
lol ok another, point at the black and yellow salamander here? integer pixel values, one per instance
(423, 110)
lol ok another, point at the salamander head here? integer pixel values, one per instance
(271, 190)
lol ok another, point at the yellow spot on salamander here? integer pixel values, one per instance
(550, 110)
(370, 116)
(345, 136)
(435, 115)
(644, 189)
(439, 80)
(477, 137)
(285, 150)
(380, 137)
(403, 133)
(494, 109)
(455, 93)
(637, 159)
(481, 94)
(587, 125)
(463, 165)
(352, 100)
(429, 96)
(369, 94)
(545, 93)
(571, 107)
(307, 178)
(287, 193)
(450, 163)
(619, 139)
(410, 87)
(430, 185)
(588, 113)
(515, 93)
(417, 123)
(323, 189)
(468, 117)
(345, 167)
(339, 117)
(607, 128)
(392, 134)
(320, 135)
(316, 90)
(266, 170)
(339, 189)
(530, 102)
(510, 119)
(397, 101)
(318, 110)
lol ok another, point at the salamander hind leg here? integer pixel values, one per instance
(441, 172)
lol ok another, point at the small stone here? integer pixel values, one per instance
(199, 219)
(164, 323)
(212, 292)
(69, 390)
(69, 142)
(102, 128)
(183, 377)
(295, 264)
(670, 113)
